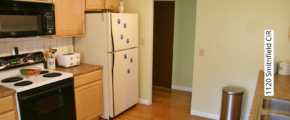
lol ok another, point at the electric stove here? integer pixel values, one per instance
(48, 95)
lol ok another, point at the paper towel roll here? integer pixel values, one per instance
(284, 68)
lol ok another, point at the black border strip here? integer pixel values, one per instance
(113, 55)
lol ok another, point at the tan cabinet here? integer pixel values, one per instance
(89, 95)
(95, 4)
(8, 108)
(112, 4)
(69, 18)
(43, 1)
(88, 101)
(8, 116)
(98, 5)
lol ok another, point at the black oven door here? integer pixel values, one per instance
(19, 19)
(54, 101)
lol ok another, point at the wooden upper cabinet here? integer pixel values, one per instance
(95, 4)
(98, 5)
(112, 4)
(69, 18)
(43, 1)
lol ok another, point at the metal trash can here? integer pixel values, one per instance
(232, 100)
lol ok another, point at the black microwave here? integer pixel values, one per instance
(20, 19)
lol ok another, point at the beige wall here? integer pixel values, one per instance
(144, 9)
(184, 35)
(231, 32)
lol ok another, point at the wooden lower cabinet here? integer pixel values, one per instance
(89, 97)
(8, 116)
(8, 108)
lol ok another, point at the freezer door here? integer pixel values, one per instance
(124, 31)
(125, 80)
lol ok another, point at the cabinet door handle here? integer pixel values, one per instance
(112, 6)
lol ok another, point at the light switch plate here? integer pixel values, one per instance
(142, 41)
(201, 52)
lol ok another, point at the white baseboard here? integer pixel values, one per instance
(206, 115)
(145, 102)
(181, 88)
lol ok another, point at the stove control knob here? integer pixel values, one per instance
(2, 63)
(18, 61)
(24, 60)
(39, 57)
(33, 58)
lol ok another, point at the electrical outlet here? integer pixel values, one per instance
(201, 52)
(69, 49)
(142, 41)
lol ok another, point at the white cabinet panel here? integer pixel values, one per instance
(124, 30)
(125, 79)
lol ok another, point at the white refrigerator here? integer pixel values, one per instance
(111, 40)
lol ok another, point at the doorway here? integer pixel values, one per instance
(163, 34)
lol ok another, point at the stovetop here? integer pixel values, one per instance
(37, 81)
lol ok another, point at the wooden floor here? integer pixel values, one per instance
(167, 104)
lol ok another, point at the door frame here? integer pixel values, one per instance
(151, 48)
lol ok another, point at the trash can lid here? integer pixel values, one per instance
(233, 90)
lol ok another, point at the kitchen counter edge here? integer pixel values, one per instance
(281, 89)
(5, 92)
(80, 70)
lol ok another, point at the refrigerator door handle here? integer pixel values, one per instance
(113, 63)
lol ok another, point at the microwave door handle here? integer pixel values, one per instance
(39, 24)
(44, 92)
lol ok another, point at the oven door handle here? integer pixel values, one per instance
(44, 92)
